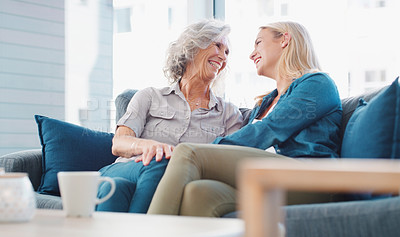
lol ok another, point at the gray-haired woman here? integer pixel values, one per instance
(158, 119)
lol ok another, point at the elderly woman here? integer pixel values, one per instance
(158, 119)
(300, 118)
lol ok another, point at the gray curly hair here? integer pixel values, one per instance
(195, 37)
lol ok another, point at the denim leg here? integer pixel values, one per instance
(146, 185)
(125, 182)
(142, 181)
(120, 200)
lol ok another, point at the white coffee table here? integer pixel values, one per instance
(53, 223)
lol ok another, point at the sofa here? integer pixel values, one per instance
(32, 161)
(326, 219)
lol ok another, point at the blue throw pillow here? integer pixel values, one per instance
(373, 130)
(69, 147)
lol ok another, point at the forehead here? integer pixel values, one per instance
(264, 33)
(224, 40)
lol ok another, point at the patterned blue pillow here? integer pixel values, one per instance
(373, 130)
(69, 147)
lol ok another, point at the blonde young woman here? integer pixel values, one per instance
(300, 118)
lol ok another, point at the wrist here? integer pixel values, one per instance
(134, 147)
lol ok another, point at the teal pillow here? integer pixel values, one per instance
(69, 147)
(373, 130)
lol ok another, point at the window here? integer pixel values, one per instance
(69, 59)
(122, 20)
(368, 3)
(140, 52)
(347, 39)
(375, 76)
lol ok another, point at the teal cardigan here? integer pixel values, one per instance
(304, 123)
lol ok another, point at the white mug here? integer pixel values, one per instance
(78, 191)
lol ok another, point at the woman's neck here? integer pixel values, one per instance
(194, 88)
(196, 92)
(282, 84)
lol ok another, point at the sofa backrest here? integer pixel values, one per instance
(349, 104)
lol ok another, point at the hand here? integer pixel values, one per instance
(152, 148)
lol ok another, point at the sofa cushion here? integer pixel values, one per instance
(69, 147)
(373, 130)
(44, 201)
(346, 219)
(349, 105)
(27, 161)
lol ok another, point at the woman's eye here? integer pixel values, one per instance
(257, 42)
(226, 52)
(218, 45)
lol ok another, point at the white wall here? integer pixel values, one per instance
(55, 60)
(32, 68)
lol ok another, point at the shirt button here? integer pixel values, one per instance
(187, 117)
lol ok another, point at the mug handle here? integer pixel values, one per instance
(109, 194)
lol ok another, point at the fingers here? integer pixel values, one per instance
(157, 150)
(138, 159)
(159, 153)
(168, 151)
(148, 155)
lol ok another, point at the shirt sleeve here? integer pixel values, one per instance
(136, 111)
(233, 118)
(306, 102)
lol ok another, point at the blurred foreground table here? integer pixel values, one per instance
(263, 182)
(53, 223)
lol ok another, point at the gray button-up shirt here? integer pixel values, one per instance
(164, 115)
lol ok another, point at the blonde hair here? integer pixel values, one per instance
(298, 58)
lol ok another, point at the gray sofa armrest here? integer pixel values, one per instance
(28, 161)
(122, 101)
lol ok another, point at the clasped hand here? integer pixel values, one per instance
(152, 148)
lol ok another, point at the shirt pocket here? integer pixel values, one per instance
(159, 119)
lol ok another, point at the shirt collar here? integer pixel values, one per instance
(173, 88)
(214, 102)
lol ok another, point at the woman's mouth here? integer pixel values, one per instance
(216, 65)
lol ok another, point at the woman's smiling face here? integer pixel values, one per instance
(267, 52)
(212, 60)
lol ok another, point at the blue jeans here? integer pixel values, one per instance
(135, 185)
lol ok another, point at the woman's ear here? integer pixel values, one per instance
(286, 39)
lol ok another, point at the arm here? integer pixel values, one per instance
(233, 118)
(126, 142)
(305, 103)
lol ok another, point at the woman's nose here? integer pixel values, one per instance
(252, 54)
(223, 56)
